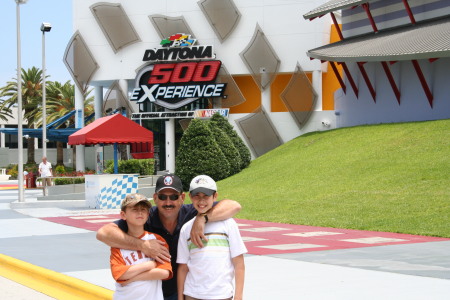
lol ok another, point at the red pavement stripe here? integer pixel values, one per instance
(280, 238)
(331, 242)
(82, 223)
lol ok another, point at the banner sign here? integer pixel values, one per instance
(173, 85)
(208, 113)
(197, 114)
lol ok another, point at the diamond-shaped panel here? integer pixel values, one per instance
(115, 98)
(299, 97)
(79, 61)
(259, 132)
(233, 93)
(184, 123)
(260, 58)
(115, 24)
(167, 26)
(222, 15)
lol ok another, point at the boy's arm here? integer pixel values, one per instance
(137, 269)
(113, 236)
(153, 274)
(181, 273)
(239, 275)
(224, 209)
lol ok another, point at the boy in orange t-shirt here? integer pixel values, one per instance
(138, 276)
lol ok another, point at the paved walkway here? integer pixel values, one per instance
(284, 261)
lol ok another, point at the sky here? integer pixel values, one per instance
(56, 12)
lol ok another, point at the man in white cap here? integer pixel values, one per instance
(167, 218)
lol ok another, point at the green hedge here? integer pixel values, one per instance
(63, 181)
(132, 166)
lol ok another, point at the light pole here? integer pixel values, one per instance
(19, 104)
(45, 27)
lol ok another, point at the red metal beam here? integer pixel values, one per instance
(432, 60)
(338, 29)
(338, 76)
(369, 15)
(350, 78)
(423, 82)
(409, 11)
(367, 80)
(391, 81)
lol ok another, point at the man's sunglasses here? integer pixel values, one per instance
(172, 197)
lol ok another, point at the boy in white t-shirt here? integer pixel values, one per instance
(138, 276)
(208, 272)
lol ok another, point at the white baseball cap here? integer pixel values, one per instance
(202, 184)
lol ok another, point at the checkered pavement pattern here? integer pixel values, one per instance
(111, 197)
(265, 238)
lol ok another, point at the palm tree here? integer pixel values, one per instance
(31, 100)
(61, 101)
(5, 112)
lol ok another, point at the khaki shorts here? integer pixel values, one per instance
(46, 181)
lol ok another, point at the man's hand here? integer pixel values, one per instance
(155, 249)
(198, 231)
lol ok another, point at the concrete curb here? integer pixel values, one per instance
(49, 282)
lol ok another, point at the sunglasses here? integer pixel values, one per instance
(172, 197)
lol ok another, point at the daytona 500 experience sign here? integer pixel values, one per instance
(181, 74)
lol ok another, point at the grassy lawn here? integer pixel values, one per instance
(389, 177)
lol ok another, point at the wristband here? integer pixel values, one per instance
(206, 217)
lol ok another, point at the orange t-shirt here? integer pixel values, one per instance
(121, 259)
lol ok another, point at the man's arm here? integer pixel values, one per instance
(224, 209)
(113, 236)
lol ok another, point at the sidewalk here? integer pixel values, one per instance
(284, 261)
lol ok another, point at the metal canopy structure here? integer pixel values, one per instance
(425, 40)
(331, 6)
(420, 41)
(53, 134)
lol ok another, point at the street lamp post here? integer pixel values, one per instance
(45, 27)
(19, 104)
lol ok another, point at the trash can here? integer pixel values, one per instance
(31, 180)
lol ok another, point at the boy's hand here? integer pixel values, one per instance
(156, 250)
(198, 231)
(126, 282)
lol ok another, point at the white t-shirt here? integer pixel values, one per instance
(211, 271)
(122, 259)
(45, 169)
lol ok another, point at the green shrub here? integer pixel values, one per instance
(12, 170)
(244, 152)
(131, 166)
(60, 170)
(199, 153)
(228, 149)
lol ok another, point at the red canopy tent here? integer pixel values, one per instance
(115, 129)
(110, 130)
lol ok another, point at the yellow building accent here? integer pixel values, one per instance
(330, 84)
(251, 93)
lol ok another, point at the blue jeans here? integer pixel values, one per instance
(172, 297)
